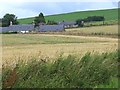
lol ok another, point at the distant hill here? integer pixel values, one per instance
(109, 14)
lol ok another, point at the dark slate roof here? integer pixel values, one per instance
(4, 29)
(67, 23)
(45, 28)
(23, 27)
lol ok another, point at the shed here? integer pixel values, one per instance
(68, 24)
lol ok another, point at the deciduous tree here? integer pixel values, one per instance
(9, 18)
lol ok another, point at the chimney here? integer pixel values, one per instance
(10, 23)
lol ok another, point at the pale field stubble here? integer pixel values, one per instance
(24, 51)
(113, 29)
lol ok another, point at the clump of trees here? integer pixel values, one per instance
(9, 18)
(39, 19)
(51, 22)
(81, 22)
(94, 18)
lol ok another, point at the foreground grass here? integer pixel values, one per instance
(98, 70)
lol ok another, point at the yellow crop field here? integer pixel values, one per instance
(24, 46)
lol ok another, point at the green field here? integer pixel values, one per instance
(109, 14)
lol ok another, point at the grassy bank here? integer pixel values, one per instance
(90, 70)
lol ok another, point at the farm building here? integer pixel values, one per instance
(68, 24)
(50, 28)
(18, 28)
(25, 28)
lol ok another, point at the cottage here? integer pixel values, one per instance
(23, 27)
(18, 28)
(68, 24)
(51, 28)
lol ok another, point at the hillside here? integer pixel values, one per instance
(109, 14)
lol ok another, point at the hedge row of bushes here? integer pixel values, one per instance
(64, 72)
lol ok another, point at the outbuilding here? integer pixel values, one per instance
(68, 24)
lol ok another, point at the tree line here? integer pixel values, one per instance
(7, 18)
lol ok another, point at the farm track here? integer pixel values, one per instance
(84, 37)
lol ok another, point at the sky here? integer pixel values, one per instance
(31, 8)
